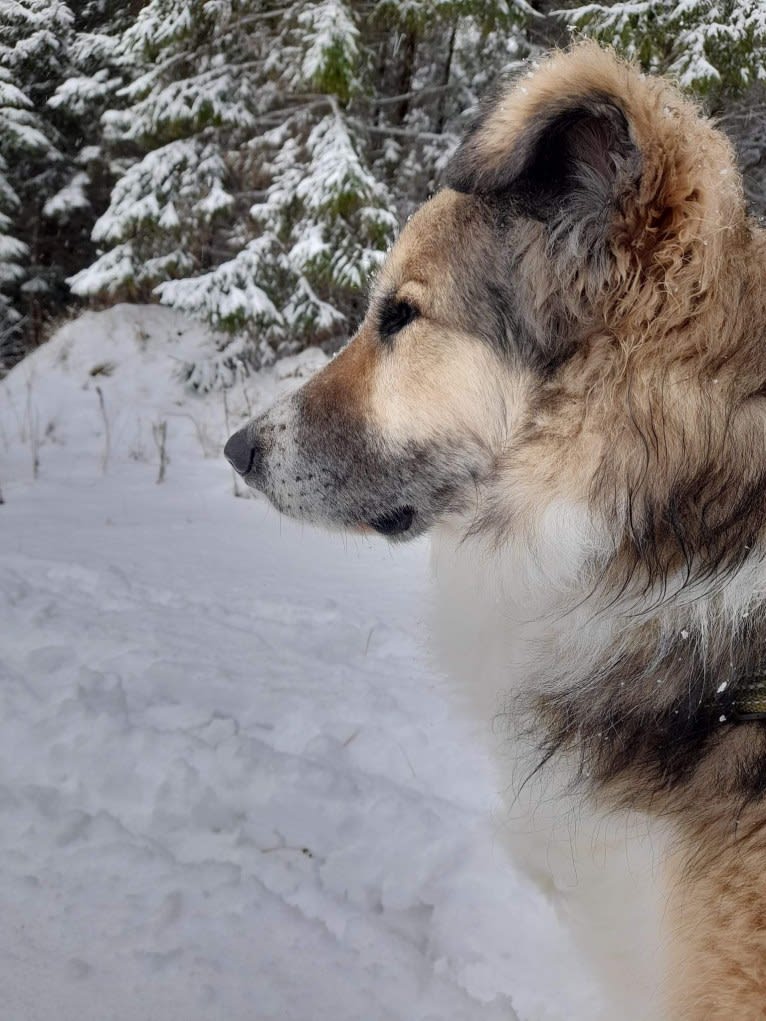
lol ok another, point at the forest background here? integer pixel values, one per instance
(248, 162)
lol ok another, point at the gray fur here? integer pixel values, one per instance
(340, 473)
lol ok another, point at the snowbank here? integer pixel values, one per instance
(104, 382)
(230, 784)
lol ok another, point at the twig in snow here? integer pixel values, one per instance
(160, 434)
(107, 431)
(4, 436)
(248, 402)
(32, 430)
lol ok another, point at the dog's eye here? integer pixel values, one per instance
(394, 316)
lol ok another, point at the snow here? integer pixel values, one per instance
(231, 784)
(79, 94)
(11, 248)
(230, 291)
(174, 172)
(113, 269)
(69, 199)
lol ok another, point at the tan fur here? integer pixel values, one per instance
(717, 926)
(439, 377)
(347, 380)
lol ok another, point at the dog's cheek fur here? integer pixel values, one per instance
(361, 441)
(436, 386)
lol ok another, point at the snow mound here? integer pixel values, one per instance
(106, 381)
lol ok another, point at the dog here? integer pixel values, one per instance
(561, 377)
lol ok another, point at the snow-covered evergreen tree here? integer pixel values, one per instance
(20, 136)
(709, 46)
(30, 49)
(55, 75)
(253, 204)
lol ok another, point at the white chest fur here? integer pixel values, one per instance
(500, 618)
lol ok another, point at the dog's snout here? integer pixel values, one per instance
(243, 451)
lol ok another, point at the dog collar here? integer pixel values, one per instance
(746, 700)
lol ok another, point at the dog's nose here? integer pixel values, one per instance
(241, 451)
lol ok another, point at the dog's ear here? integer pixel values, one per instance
(570, 158)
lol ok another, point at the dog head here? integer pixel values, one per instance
(403, 425)
(544, 330)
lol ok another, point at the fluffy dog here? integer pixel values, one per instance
(562, 376)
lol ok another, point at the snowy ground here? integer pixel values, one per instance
(230, 784)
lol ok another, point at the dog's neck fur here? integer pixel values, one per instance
(636, 698)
